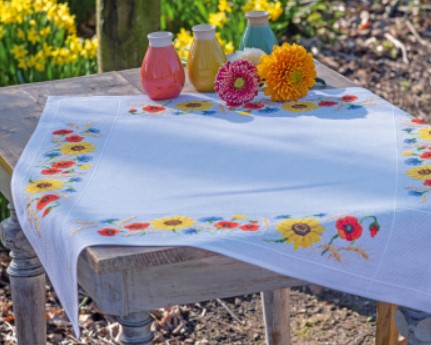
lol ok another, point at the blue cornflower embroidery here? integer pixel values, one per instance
(109, 220)
(208, 112)
(410, 140)
(93, 130)
(190, 231)
(268, 110)
(415, 193)
(52, 154)
(84, 159)
(75, 179)
(283, 216)
(413, 161)
(210, 219)
(354, 106)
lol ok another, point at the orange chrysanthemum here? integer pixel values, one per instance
(288, 72)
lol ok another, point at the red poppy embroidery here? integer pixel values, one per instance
(418, 121)
(108, 232)
(45, 200)
(137, 226)
(349, 228)
(74, 139)
(254, 106)
(62, 132)
(374, 229)
(249, 227)
(153, 108)
(349, 98)
(63, 164)
(50, 171)
(224, 224)
(327, 103)
(427, 183)
(426, 155)
(133, 110)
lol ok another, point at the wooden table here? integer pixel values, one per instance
(130, 281)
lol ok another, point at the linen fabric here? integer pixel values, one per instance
(331, 189)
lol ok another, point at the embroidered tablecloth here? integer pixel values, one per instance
(331, 189)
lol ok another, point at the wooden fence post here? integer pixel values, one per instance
(122, 28)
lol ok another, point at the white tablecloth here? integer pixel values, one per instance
(332, 189)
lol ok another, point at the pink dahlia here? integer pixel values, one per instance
(237, 82)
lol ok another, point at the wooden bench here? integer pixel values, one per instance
(130, 281)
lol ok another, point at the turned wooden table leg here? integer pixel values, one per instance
(276, 313)
(136, 329)
(27, 280)
(414, 325)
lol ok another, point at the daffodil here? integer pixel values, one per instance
(217, 19)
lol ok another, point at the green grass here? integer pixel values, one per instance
(4, 212)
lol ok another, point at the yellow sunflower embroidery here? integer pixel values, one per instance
(194, 105)
(239, 216)
(77, 148)
(86, 166)
(425, 133)
(408, 153)
(172, 223)
(298, 106)
(421, 173)
(44, 185)
(301, 232)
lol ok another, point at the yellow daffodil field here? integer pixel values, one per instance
(38, 41)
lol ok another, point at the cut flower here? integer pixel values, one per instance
(289, 72)
(237, 82)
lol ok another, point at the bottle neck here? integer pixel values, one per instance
(204, 32)
(257, 18)
(160, 39)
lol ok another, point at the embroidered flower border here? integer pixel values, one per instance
(260, 107)
(301, 233)
(63, 166)
(417, 156)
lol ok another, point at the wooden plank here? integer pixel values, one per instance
(276, 313)
(122, 31)
(201, 278)
(386, 330)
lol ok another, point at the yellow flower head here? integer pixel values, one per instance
(77, 148)
(172, 223)
(19, 51)
(289, 72)
(425, 133)
(275, 10)
(33, 36)
(44, 185)
(408, 153)
(194, 105)
(238, 216)
(218, 19)
(421, 173)
(301, 232)
(299, 106)
(223, 6)
(182, 43)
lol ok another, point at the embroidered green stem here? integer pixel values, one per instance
(330, 243)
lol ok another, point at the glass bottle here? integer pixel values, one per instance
(206, 56)
(258, 33)
(162, 73)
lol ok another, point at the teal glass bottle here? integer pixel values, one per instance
(258, 33)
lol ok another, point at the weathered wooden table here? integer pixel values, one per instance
(130, 281)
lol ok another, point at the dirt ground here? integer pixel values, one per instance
(382, 47)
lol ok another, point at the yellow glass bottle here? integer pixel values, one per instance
(206, 56)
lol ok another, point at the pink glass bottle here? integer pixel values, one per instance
(162, 74)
